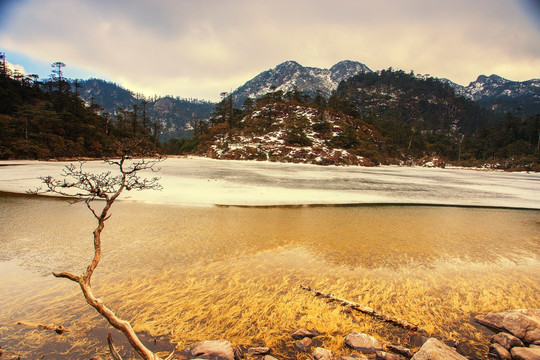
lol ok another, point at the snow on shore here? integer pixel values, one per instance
(201, 181)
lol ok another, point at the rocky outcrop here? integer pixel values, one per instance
(383, 355)
(320, 353)
(254, 351)
(523, 353)
(302, 333)
(433, 349)
(506, 340)
(213, 349)
(304, 344)
(498, 352)
(524, 324)
(363, 342)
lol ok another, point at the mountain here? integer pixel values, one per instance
(174, 116)
(423, 103)
(384, 117)
(502, 95)
(290, 75)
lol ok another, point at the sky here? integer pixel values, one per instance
(201, 48)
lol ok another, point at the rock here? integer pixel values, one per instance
(498, 352)
(320, 353)
(383, 355)
(525, 324)
(433, 349)
(363, 342)
(304, 344)
(213, 349)
(268, 357)
(523, 353)
(258, 350)
(302, 333)
(406, 352)
(506, 340)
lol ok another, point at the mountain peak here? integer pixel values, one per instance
(289, 64)
(290, 74)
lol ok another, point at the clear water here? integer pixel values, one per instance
(184, 274)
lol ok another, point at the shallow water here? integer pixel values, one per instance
(192, 273)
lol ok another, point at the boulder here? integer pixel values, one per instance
(498, 352)
(363, 342)
(506, 340)
(524, 324)
(320, 353)
(383, 355)
(433, 349)
(304, 344)
(213, 349)
(258, 351)
(523, 353)
(302, 333)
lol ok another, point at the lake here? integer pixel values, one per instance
(185, 273)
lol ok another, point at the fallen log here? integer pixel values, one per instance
(364, 309)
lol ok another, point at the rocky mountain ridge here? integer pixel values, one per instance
(497, 93)
(175, 116)
(290, 75)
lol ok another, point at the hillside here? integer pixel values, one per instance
(295, 132)
(388, 117)
(53, 122)
(173, 117)
(424, 104)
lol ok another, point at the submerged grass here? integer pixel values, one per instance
(199, 274)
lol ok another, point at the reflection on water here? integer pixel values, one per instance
(207, 272)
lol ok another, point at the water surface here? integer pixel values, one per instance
(185, 274)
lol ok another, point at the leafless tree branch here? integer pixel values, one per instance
(81, 185)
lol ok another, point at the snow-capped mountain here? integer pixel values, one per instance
(500, 94)
(290, 75)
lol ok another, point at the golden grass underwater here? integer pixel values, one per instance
(191, 274)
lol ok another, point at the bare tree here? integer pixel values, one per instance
(83, 186)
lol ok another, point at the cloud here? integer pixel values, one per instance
(200, 48)
(16, 68)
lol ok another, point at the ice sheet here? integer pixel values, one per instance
(202, 181)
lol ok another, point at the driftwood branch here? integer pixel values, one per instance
(364, 309)
(112, 349)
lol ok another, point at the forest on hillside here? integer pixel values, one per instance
(44, 120)
(416, 118)
(393, 117)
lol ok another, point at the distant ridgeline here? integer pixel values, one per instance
(48, 120)
(347, 114)
(386, 117)
(172, 116)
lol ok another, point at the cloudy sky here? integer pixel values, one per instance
(200, 48)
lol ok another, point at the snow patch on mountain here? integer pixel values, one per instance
(291, 75)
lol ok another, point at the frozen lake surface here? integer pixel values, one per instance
(201, 181)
